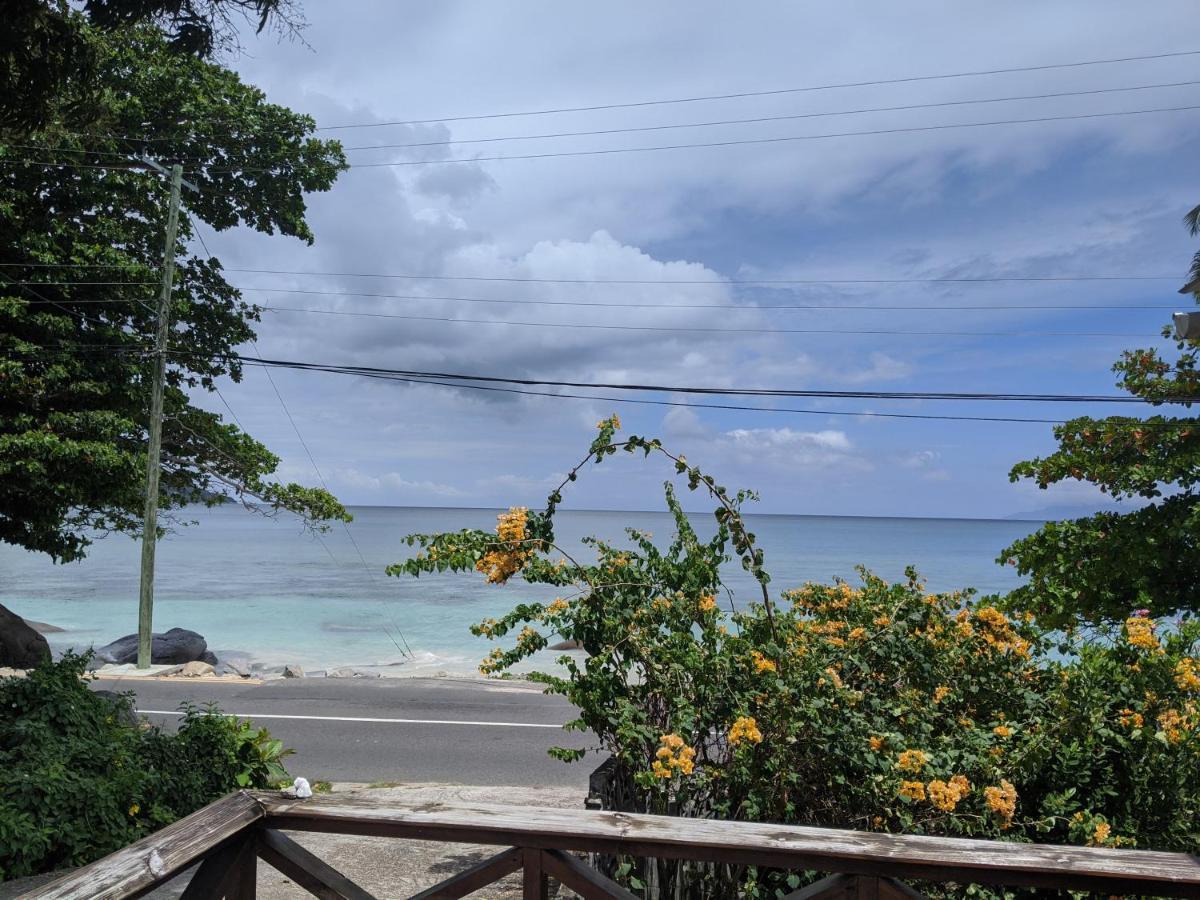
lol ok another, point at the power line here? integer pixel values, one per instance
(717, 391)
(759, 119)
(44, 265)
(767, 93)
(704, 330)
(748, 141)
(740, 306)
(744, 408)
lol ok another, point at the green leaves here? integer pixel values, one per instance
(74, 373)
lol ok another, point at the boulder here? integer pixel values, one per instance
(21, 647)
(293, 672)
(43, 627)
(174, 647)
(195, 669)
(208, 657)
(233, 667)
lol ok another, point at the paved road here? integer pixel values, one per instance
(392, 729)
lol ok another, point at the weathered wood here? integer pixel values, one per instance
(479, 875)
(309, 871)
(855, 887)
(212, 876)
(581, 878)
(243, 874)
(533, 883)
(136, 869)
(746, 843)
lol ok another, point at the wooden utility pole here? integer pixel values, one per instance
(153, 463)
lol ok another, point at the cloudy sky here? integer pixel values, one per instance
(1082, 196)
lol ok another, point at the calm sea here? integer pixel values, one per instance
(266, 589)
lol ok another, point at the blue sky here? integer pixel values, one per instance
(1102, 195)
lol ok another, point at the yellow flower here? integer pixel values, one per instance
(1130, 719)
(834, 676)
(673, 757)
(876, 743)
(857, 634)
(1139, 633)
(912, 761)
(913, 790)
(502, 562)
(1002, 731)
(1002, 801)
(761, 663)
(707, 602)
(134, 809)
(1100, 836)
(745, 728)
(945, 795)
(1173, 725)
(1187, 674)
(940, 693)
(882, 621)
(558, 606)
(611, 420)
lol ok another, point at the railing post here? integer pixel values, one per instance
(535, 886)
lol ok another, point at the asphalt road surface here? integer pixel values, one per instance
(392, 729)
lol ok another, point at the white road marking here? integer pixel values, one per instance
(175, 712)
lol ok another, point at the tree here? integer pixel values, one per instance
(1102, 567)
(81, 229)
(46, 51)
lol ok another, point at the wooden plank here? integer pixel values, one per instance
(243, 874)
(533, 882)
(309, 871)
(581, 878)
(209, 879)
(748, 843)
(479, 875)
(136, 869)
(831, 887)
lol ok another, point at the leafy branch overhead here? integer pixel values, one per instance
(74, 374)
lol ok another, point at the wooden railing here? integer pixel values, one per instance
(228, 838)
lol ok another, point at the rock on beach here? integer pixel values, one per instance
(21, 647)
(173, 647)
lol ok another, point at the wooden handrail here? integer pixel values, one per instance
(135, 869)
(750, 843)
(230, 833)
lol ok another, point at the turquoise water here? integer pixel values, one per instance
(267, 589)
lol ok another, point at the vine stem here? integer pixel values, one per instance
(737, 526)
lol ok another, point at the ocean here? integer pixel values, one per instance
(265, 588)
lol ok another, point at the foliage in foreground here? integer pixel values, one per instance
(878, 707)
(79, 778)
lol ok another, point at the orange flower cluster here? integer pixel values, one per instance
(761, 663)
(673, 757)
(912, 761)
(912, 790)
(1130, 719)
(745, 728)
(503, 562)
(940, 693)
(1100, 836)
(1140, 633)
(1187, 674)
(707, 602)
(997, 632)
(876, 743)
(1002, 731)
(1002, 801)
(945, 795)
(1175, 725)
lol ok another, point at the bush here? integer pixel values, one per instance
(879, 707)
(80, 778)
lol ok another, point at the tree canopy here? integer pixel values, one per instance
(48, 60)
(1102, 567)
(82, 230)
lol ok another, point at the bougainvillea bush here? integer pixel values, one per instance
(872, 706)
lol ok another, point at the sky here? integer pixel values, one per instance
(1083, 196)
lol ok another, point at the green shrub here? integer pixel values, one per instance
(880, 707)
(80, 778)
